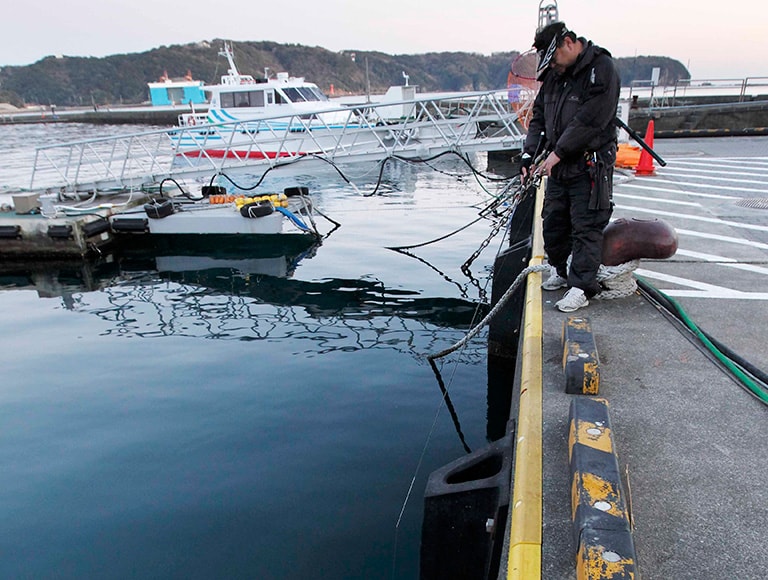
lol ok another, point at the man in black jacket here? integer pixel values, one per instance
(573, 125)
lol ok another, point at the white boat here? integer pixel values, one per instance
(269, 106)
(283, 116)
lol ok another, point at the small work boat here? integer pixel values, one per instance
(217, 212)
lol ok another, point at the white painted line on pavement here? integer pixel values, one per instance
(703, 290)
(719, 238)
(697, 218)
(719, 176)
(723, 261)
(708, 186)
(746, 161)
(676, 191)
(656, 199)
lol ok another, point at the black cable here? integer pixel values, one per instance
(449, 404)
(383, 164)
(181, 189)
(757, 373)
(484, 212)
(466, 161)
(746, 375)
(660, 297)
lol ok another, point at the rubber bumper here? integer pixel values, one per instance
(601, 525)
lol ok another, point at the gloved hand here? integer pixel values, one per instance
(525, 164)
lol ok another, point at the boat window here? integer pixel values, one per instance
(308, 94)
(270, 97)
(242, 99)
(293, 95)
(320, 95)
(175, 95)
(257, 98)
(227, 100)
(280, 98)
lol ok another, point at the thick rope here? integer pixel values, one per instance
(488, 317)
(618, 280)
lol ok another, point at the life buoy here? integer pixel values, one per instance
(191, 120)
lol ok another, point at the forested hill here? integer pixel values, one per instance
(123, 78)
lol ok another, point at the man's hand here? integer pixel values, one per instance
(546, 167)
(525, 164)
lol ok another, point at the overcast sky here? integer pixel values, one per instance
(714, 40)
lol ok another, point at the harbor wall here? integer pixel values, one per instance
(165, 116)
(748, 118)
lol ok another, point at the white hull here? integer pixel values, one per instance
(220, 220)
(209, 218)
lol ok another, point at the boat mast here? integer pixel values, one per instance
(233, 76)
(227, 52)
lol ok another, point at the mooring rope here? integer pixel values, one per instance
(488, 317)
(618, 281)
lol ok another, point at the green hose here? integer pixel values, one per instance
(756, 387)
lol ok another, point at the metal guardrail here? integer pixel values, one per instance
(668, 95)
(462, 122)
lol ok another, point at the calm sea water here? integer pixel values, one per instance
(242, 413)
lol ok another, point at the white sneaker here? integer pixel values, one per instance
(573, 300)
(554, 282)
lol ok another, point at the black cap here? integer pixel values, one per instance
(546, 42)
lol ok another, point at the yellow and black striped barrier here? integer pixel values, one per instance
(601, 526)
(580, 361)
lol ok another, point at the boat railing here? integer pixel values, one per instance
(192, 119)
(461, 122)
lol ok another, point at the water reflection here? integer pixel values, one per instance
(243, 291)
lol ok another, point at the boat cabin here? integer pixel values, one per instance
(168, 92)
(271, 93)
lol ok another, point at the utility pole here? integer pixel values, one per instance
(367, 82)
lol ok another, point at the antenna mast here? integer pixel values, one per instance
(227, 52)
(548, 13)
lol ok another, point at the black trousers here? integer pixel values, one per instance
(571, 228)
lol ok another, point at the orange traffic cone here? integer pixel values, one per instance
(645, 165)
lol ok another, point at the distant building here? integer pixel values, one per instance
(169, 91)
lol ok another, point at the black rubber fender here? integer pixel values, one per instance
(257, 209)
(294, 191)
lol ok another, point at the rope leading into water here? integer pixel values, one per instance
(488, 317)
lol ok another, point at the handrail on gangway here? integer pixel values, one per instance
(461, 122)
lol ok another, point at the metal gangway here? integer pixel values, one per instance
(414, 129)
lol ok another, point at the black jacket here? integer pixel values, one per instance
(575, 112)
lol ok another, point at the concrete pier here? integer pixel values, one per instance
(687, 435)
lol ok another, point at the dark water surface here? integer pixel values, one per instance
(253, 413)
